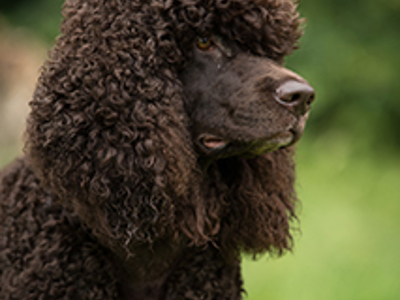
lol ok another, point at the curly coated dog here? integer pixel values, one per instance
(158, 148)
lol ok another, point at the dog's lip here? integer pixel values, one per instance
(216, 145)
(213, 142)
(285, 138)
(282, 139)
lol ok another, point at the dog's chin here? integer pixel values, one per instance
(216, 147)
(266, 145)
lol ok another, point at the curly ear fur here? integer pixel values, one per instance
(107, 131)
(108, 134)
(262, 201)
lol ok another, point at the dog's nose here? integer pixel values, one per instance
(296, 96)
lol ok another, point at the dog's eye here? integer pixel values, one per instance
(204, 43)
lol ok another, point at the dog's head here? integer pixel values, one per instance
(240, 104)
(138, 97)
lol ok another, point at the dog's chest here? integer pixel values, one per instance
(143, 275)
(147, 290)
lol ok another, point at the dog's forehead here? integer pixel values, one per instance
(264, 27)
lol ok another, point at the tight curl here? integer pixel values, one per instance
(108, 134)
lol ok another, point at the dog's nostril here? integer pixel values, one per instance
(310, 99)
(296, 95)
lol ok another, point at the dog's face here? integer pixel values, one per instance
(242, 104)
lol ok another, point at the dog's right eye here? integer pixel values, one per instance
(204, 43)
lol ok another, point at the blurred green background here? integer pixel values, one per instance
(348, 160)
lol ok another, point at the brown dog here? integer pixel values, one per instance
(158, 148)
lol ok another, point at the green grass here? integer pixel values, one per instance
(350, 240)
(8, 153)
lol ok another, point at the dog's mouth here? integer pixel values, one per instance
(219, 147)
(212, 142)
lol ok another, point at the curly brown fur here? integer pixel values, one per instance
(117, 197)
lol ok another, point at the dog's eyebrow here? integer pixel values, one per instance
(223, 45)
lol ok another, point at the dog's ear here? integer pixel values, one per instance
(265, 199)
(107, 133)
